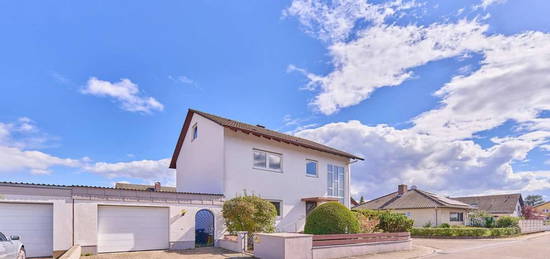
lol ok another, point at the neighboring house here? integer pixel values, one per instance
(544, 209)
(496, 205)
(220, 155)
(421, 206)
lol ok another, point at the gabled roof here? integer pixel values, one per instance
(495, 204)
(143, 187)
(258, 131)
(412, 199)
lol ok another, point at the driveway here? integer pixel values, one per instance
(534, 246)
(197, 253)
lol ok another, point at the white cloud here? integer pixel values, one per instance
(457, 167)
(486, 3)
(146, 170)
(125, 92)
(182, 79)
(15, 138)
(14, 160)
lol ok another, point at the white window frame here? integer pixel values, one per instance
(316, 168)
(267, 153)
(194, 132)
(336, 183)
(458, 216)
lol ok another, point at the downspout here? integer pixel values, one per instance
(72, 198)
(436, 217)
(348, 182)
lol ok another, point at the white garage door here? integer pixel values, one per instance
(131, 228)
(32, 222)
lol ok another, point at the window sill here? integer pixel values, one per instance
(312, 176)
(267, 169)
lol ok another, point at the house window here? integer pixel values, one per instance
(267, 160)
(195, 131)
(277, 205)
(335, 182)
(311, 167)
(456, 216)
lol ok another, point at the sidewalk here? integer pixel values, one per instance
(415, 252)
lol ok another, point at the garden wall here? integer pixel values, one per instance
(304, 246)
(531, 225)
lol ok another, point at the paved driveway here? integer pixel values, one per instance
(198, 253)
(535, 246)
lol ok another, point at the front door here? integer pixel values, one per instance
(310, 205)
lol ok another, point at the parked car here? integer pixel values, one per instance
(11, 248)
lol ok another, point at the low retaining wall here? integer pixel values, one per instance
(234, 243)
(73, 253)
(531, 225)
(339, 251)
(303, 246)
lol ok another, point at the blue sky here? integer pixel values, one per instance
(450, 96)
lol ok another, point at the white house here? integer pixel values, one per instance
(219, 155)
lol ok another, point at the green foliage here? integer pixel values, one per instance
(388, 221)
(507, 222)
(249, 213)
(444, 225)
(395, 222)
(427, 225)
(534, 200)
(368, 220)
(481, 219)
(331, 218)
(362, 200)
(464, 232)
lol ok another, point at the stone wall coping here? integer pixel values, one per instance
(284, 235)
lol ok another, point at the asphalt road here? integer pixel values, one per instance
(536, 246)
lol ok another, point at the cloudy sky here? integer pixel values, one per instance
(451, 96)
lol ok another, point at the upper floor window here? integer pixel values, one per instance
(335, 182)
(456, 216)
(267, 160)
(195, 131)
(311, 167)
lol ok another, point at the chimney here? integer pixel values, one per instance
(157, 186)
(401, 189)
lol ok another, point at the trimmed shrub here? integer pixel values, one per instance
(464, 232)
(249, 213)
(394, 222)
(507, 222)
(331, 218)
(368, 223)
(427, 225)
(444, 225)
(388, 221)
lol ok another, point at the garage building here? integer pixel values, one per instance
(52, 218)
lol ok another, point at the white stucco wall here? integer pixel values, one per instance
(288, 186)
(199, 167)
(182, 228)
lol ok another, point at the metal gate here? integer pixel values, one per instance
(204, 228)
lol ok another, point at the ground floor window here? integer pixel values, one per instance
(277, 205)
(456, 216)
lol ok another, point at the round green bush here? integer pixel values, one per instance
(444, 225)
(507, 222)
(331, 218)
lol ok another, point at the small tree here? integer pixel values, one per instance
(534, 200)
(249, 213)
(529, 212)
(362, 200)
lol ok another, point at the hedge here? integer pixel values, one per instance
(331, 218)
(464, 232)
(388, 221)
